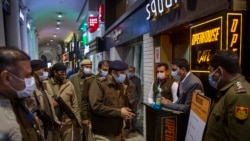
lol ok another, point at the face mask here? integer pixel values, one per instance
(210, 80)
(44, 76)
(130, 75)
(60, 78)
(103, 73)
(121, 78)
(29, 87)
(160, 75)
(87, 71)
(175, 75)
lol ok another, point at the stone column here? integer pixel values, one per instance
(13, 25)
(2, 36)
(24, 32)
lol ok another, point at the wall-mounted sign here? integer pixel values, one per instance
(65, 57)
(116, 34)
(160, 7)
(234, 33)
(101, 12)
(93, 24)
(157, 55)
(206, 38)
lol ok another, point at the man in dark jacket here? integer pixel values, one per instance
(16, 84)
(107, 100)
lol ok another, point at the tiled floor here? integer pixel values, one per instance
(134, 137)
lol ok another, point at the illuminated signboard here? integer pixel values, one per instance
(234, 33)
(206, 38)
(159, 7)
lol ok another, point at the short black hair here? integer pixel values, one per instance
(10, 56)
(165, 65)
(132, 67)
(227, 59)
(101, 63)
(181, 63)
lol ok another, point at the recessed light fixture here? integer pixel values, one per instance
(57, 28)
(51, 40)
(58, 22)
(59, 15)
(54, 35)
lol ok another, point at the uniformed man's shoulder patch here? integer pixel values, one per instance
(241, 112)
(240, 88)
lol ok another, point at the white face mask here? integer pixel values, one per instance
(160, 75)
(87, 71)
(44, 76)
(29, 87)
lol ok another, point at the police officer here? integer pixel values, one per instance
(59, 86)
(16, 84)
(79, 80)
(41, 100)
(229, 118)
(107, 103)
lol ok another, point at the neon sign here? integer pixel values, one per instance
(206, 38)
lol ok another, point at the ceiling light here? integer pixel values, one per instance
(51, 40)
(58, 22)
(57, 28)
(59, 15)
(54, 35)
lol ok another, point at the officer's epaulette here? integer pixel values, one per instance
(240, 88)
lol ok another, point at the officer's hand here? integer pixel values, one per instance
(126, 113)
(85, 122)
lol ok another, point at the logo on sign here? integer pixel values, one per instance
(93, 24)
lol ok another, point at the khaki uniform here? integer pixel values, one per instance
(106, 99)
(229, 119)
(44, 101)
(165, 86)
(80, 82)
(67, 92)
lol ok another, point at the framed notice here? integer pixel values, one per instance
(198, 117)
(157, 55)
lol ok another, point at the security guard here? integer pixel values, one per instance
(229, 118)
(107, 103)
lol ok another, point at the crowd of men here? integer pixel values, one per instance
(40, 103)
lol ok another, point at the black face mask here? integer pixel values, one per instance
(60, 78)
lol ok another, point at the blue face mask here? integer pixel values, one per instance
(210, 80)
(121, 78)
(103, 73)
(175, 75)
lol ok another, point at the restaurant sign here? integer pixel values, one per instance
(206, 38)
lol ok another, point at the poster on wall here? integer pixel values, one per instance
(157, 55)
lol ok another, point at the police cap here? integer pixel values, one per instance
(86, 62)
(118, 65)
